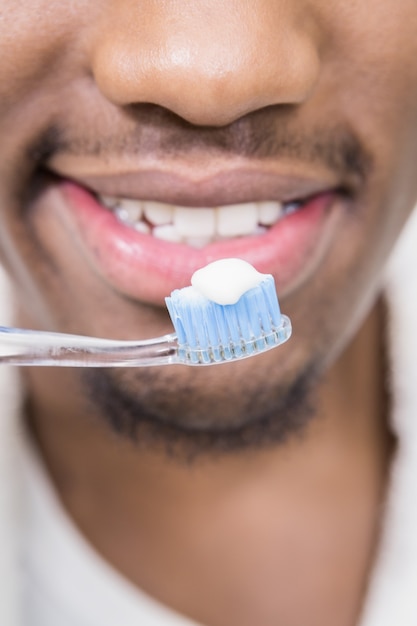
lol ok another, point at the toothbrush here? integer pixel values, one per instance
(206, 333)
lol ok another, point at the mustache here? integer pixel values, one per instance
(163, 134)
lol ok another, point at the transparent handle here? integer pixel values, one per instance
(29, 347)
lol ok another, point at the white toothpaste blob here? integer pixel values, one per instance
(226, 280)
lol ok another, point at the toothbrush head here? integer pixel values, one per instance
(209, 332)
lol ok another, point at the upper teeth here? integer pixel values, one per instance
(196, 226)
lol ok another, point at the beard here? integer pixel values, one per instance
(198, 414)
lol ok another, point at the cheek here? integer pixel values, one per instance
(33, 39)
(25, 55)
(369, 65)
(382, 47)
(376, 62)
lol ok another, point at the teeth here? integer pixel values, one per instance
(237, 219)
(198, 227)
(260, 230)
(195, 222)
(109, 201)
(291, 207)
(122, 214)
(157, 213)
(269, 212)
(129, 211)
(142, 227)
(167, 232)
(198, 242)
(131, 208)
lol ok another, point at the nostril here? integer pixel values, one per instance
(208, 76)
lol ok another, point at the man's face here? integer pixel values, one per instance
(310, 103)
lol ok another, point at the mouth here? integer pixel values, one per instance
(145, 246)
(200, 226)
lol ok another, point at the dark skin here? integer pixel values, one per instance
(238, 538)
(282, 530)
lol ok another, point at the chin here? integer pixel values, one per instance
(186, 415)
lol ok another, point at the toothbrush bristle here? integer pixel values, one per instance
(213, 333)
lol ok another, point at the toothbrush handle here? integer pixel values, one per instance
(32, 347)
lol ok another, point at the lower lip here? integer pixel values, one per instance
(149, 269)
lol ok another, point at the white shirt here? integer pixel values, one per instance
(64, 581)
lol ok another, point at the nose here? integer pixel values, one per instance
(210, 62)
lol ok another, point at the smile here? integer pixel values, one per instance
(148, 241)
(198, 227)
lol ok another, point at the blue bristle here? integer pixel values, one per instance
(210, 332)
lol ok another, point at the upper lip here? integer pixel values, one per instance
(235, 185)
